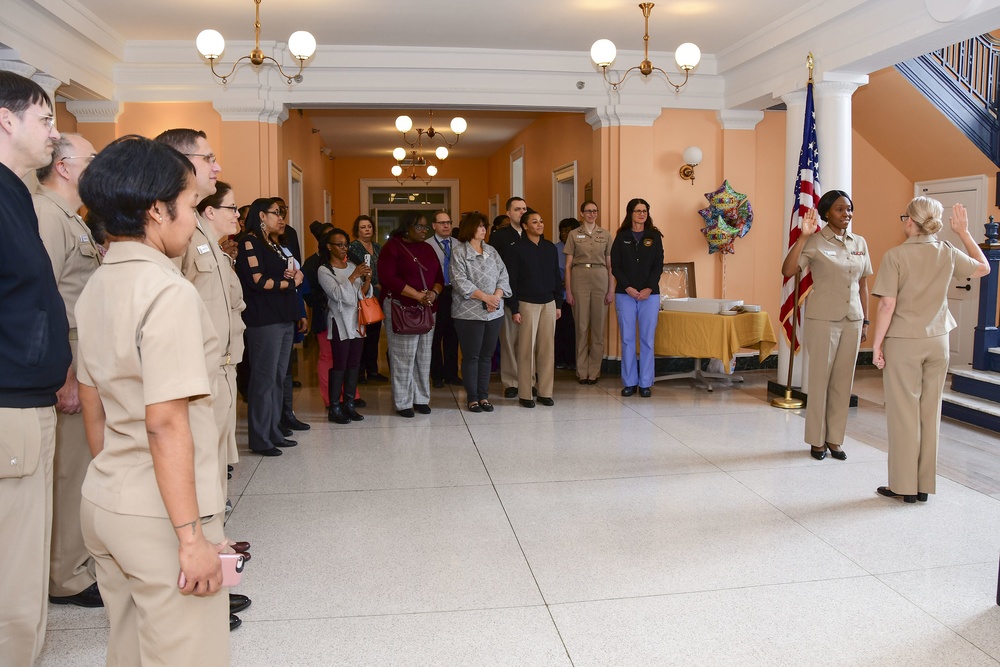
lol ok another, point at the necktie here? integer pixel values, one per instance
(446, 246)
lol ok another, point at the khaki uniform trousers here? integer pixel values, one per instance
(590, 314)
(508, 350)
(71, 569)
(535, 348)
(833, 355)
(28, 434)
(137, 570)
(915, 371)
(224, 406)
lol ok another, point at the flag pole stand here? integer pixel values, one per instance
(787, 402)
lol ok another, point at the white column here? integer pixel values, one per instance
(795, 104)
(834, 132)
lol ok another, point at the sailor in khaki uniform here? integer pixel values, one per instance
(153, 502)
(588, 290)
(836, 316)
(74, 258)
(911, 339)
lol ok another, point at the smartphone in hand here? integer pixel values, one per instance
(232, 570)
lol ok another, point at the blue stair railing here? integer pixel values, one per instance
(961, 81)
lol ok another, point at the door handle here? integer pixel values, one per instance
(967, 288)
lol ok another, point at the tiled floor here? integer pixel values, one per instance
(691, 528)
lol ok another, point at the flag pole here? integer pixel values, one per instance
(788, 402)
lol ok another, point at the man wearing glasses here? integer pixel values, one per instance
(444, 349)
(209, 270)
(34, 360)
(74, 257)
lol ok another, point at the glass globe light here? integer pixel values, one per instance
(396, 170)
(302, 44)
(432, 170)
(692, 156)
(603, 52)
(404, 124)
(398, 153)
(687, 56)
(441, 152)
(210, 43)
(458, 125)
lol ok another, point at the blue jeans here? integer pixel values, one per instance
(641, 314)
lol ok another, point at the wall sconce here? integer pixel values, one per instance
(692, 158)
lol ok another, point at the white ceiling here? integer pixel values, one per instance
(560, 25)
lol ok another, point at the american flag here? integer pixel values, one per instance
(807, 192)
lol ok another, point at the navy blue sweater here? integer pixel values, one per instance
(34, 332)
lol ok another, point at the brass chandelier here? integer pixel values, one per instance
(687, 55)
(408, 161)
(301, 44)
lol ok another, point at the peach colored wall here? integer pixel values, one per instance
(549, 143)
(300, 145)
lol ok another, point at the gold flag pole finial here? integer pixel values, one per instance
(809, 64)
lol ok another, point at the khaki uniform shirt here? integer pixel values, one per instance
(145, 338)
(593, 248)
(211, 273)
(68, 242)
(836, 268)
(918, 274)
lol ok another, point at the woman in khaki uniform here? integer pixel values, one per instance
(153, 499)
(911, 339)
(836, 316)
(588, 290)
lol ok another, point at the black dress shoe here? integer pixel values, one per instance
(437, 383)
(486, 405)
(234, 622)
(273, 451)
(240, 547)
(889, 493)
(510, 392)
(286, 443)
(645, 392)
(628, 391)
(295, 423)
(238, 603)
(229, 468)
(406, 412)
(526, 402)
(296, 384)
(818, 454)
(88, 597)
(583, 381)
(922, 497)
(360, 403)
(285, 429)
(422, 408)
(838, 454)
(592, 381)
(546, 401)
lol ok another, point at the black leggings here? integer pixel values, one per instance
(346, 353)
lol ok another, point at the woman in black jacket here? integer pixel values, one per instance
(636, 263)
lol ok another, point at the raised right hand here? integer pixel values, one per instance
(810, 223)
(959, 219)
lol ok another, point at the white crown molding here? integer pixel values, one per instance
(618, 115)
(261, 111)
(17, 67)
(101, 111)
(735, 119)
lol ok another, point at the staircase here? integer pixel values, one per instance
(974, 397)
(961, 81)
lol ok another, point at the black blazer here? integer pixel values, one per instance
(637, 265)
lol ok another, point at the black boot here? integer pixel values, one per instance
(335, 414)
(350, 386)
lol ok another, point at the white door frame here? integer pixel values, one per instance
(560, 177)
(295, 200)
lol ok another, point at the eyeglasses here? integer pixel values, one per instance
(209, 157)
(277, 213)
(640, 211)
(339, 245)
(421, 227)
(231, 208)
(442, 222)
(590, 210)
(88, 158)
(49, 119)
(903, 218)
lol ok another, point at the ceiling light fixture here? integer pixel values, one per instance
(416, 155)
(687, 55)
(301, 44)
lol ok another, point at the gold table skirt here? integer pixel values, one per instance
(712, 336)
